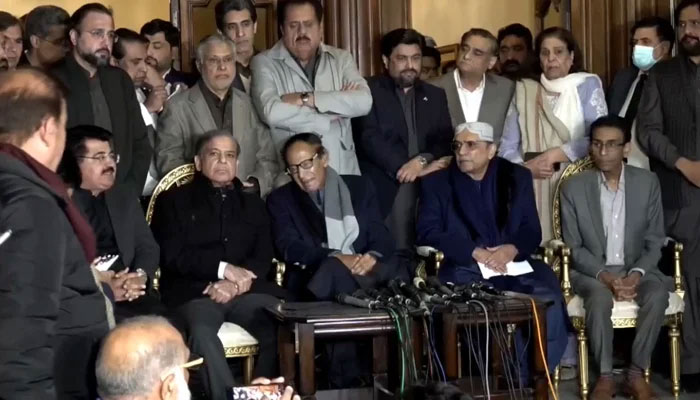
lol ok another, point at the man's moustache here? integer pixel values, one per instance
(299, 39)
(689, 37)
(409, 70)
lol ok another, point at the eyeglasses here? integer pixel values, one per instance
(306, 165)
(606, 145)
(102, 157)
(101, 34)
(219, 62)
(471, 144)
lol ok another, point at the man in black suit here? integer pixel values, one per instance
(117, 220)
(163, 37)
(652, 41)
(52, 313)
(405, 134)
(103, 95)
(325, 261)
(216, 253)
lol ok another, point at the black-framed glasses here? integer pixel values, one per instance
(307, 164)
(471, 144)
(102, 157)
(598, 145)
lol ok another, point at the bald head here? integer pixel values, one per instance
(135, 356)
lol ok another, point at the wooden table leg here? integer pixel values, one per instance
(287, 356)
(380, 359)
(305, 336)
(540, 366)
(449, 347)
(417, 341)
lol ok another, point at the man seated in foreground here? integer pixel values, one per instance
(216, 254)
(612, 220)
(146, 358)
(329, 224)
(481, 209)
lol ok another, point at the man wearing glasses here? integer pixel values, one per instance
(46, 37)
(214, 104)
(480, 212)
(612, 220)
(103, 95)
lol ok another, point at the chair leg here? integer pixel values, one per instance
(647, 375)
(674, 334)
(583, 362)
(557, 377)
(248, 365)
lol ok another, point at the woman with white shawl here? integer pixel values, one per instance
(548, 124)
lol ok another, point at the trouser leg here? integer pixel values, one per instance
(598, 303)
(652, 298)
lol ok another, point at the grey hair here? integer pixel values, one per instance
(207, 137)
(210, 39)
(115, 381)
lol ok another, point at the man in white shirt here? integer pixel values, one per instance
(652, 41)
(474, 93)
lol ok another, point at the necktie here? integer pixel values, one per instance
(631, 113)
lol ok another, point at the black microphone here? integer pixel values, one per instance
(398, 294)
(354, 301)
(435, 283)
(411, 292)
(419, 283)
(361, 294)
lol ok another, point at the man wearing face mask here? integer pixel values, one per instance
(652, 41)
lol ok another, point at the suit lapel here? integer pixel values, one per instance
(689, 90)
(422, 111)
(593, 197)
(453, 103)
(488, 99)
(200, 110)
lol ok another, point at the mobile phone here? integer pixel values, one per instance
(273, 391)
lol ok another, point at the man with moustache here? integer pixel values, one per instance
(515, 52)
(213, 104)
(52, 313)
(103, 95)
(163, 39)
(405, 134)
(238, 20)
(474, 93)
(46, 37)
(668, 128)
(302, 85)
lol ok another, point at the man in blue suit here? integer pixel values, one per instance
(481, 210)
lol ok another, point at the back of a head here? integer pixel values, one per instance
(171, 33)
(135, 354)
(27, 98)
(401, 36)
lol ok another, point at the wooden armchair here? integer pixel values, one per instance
(238, 343)
(624, 313)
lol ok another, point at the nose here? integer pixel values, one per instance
(238, 31)
(413, 64)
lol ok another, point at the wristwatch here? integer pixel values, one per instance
(305, 97)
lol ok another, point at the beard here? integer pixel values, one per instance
(404, 80)
(690, 47)
(94, 59)
(511, 66)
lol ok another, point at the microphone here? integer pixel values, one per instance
(411, 292)
(486, 287)
(435, 283)
(361, 294)
(354, 301)
(419, 283)
(398, 295)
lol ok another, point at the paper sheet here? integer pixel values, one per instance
(514, 269)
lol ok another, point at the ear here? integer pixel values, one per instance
(168, 389)
(34, 41)
(255, 27)
(198, 163)
(324, 159)
(626, 149)
(492, 61)
(385, 60)
(74, 36)
(46, 133)
(492, 150)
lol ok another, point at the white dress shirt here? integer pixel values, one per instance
(470, 100)
(636, 156)
(149, 119)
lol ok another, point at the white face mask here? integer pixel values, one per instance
(643, 57)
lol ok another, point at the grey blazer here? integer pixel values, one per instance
(582, 222)
(498, 92)
(187, 116)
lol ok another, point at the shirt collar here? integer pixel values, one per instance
(460, 87)
(620, 184)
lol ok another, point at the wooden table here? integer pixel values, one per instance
(516, 312)
(302, 323)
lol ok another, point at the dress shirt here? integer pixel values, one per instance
(612, 206)
(636, 156)
(150, 120)
(220, 109)
(470, 100)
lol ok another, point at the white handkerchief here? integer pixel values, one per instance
(514, 269)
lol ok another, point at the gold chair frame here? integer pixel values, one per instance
(178, 177)
(673, 322)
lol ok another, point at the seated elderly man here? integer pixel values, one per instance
(612, 220)
(216, 253)
(481, 210)
(146, 358)
(328, 223)
(214, 104)
(117, 220)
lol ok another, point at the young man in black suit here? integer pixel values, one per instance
(405, 134)
(103, 95)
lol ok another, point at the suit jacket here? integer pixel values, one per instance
(130, 138)
(382, 135)
(276, 72)
(299, 227)
(137, 247)
(498, 92)
(197, 228)
(187, 116)
(620, 87)
(442, 225)
(49, 301)
(582, 221)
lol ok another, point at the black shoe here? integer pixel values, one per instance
(690, 383)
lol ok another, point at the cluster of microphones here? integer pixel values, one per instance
(420, 294)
